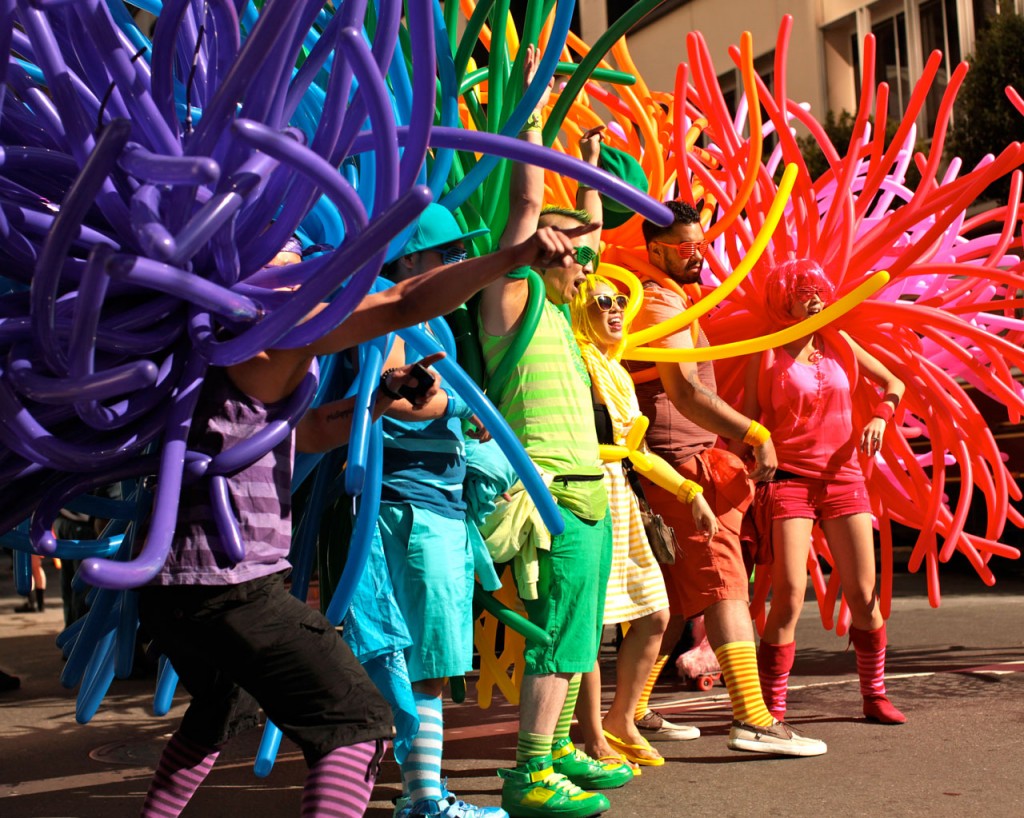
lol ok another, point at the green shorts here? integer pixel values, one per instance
(571, 591)
(431, 567)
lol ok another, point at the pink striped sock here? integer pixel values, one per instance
(774, 663)
(339, 784)
(183, 766)
(870, 649)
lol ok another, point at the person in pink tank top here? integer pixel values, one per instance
(803, 393)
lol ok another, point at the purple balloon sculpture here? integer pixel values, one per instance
(143, 191)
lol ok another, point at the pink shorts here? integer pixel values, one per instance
(814, 499)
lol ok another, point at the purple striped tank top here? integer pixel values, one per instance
(260, 494)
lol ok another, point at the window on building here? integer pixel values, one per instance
(939, 31)
(855, 62)
(731, 84)
(891, 62)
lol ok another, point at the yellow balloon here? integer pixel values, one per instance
(610, 452)
(775, 339)
(713, 299)
(658, 471)
(500, 671)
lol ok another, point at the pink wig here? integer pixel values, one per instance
(782, 282)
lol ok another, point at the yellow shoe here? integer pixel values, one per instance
(643, 754)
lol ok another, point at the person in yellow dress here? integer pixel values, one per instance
(636, 593)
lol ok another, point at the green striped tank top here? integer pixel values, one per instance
(547, 403)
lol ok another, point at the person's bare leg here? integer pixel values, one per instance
(540, 702)
(673, 633)
(728, 620)
(789, 578)
(588, 714)
(852, 544)
(637, 653)
(792, 539)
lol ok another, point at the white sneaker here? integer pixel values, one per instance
(778, 739)
(654, 727)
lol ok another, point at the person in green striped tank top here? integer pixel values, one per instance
(545, 397)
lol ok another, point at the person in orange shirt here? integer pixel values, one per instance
(687, 417)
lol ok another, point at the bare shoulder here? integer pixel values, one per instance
(271, 376)
(502, 305)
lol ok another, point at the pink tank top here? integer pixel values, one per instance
(809, 413)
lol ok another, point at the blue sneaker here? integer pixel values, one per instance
(460, 809)
(447, 807)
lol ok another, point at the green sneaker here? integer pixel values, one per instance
(535, 790)
(584, 771)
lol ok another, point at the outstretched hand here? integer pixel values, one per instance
(551, 247)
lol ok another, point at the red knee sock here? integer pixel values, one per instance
(182, 768)
(870, 649)
(774, 662)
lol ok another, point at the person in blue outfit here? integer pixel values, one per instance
(432, 550)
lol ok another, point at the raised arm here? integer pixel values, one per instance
(274, 374)
(503, 302)
(586, 197)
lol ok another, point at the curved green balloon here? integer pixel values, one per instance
(509, 618)
(524, 335)
(589, 63)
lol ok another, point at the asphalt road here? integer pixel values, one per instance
(957, 672)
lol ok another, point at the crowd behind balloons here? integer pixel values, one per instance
(145, 182)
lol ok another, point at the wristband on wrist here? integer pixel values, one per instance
(688, 491)
(885, 411)
(387, 390)
(756, 435)
(533, 123)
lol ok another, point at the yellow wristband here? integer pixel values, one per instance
(756, 435)
(533, 123)
(688, 491)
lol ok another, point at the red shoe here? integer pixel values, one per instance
(880, 709)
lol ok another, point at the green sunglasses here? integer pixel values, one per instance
(584, 255)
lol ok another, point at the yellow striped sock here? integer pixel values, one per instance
(739, 667)
(531, 745)
(565, 717)
(645, 698)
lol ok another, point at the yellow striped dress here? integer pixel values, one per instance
(636, 587)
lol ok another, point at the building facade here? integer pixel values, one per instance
(825, 51)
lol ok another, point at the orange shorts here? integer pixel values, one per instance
(706, 572)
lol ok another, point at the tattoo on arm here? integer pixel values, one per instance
(338, 414)
(712, 399)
